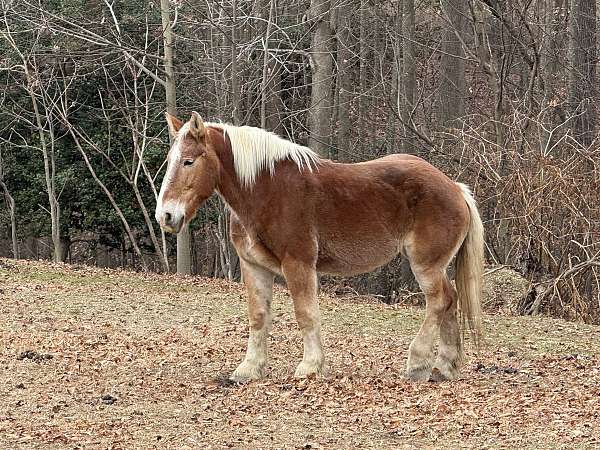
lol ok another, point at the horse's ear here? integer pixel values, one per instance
(197, 127)
(174, 124)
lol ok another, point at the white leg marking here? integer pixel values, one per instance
(253, 365)
(259, 282)
(313, 361)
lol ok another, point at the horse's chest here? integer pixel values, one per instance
(254, 251)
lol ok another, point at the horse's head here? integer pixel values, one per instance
(192, 173)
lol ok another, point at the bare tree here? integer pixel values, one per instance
(136, 113)
(227, 92)
(235, 78)
(10, 203)
(582, 73)
(363, 38)
(270, 75)
(485, 22)
(452, 62)
(321, 62)
(345, 92)
(184, 249)
(42, 105)
(409, 72)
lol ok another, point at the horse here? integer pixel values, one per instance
(296, 215)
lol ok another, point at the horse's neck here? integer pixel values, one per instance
(252, 203)
(229, 188)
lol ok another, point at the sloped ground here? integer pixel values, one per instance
(106, 359)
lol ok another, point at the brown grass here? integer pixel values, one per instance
(161, 346)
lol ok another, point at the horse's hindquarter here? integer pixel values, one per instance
(365, 212)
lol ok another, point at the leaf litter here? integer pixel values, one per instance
(142, 361)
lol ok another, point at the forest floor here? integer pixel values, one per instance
(94, 358)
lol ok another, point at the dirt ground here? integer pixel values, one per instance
(95, 358)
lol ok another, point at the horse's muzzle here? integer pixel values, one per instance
(170, 222)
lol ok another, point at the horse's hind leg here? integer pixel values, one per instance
(433, 283)
(450, 356)
(259, 282)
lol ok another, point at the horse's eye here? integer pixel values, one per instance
(188, 162)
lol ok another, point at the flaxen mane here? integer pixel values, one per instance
(255, 150)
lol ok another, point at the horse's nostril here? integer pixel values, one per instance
(168, 217)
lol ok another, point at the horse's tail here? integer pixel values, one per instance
(469, 270)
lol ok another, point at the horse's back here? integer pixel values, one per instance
(404, 178)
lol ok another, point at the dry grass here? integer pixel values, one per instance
(157, 348)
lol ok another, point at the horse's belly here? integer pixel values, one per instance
(354, 258)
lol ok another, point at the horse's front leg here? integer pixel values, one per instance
(302, 282)
(259, 283)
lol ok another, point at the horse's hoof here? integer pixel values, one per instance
(308, 370)
(247, 372)
(418, 373)
(439, 374)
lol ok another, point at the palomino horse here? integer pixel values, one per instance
(295, 214)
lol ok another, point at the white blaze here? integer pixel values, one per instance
(175, 207)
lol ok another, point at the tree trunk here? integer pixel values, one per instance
(452, 63)
(235, 78)
(265, 74)
(184, 253)
(227, 256)
(344, 81)
(269, 114)
(65, 245)
(49, 172)
(10, 202)
(409, 73)
(362, 71)
(582, 76)
(486, 30)
(49, 166)
(395, 36)
(170, 86)
(559, 14)
(184, 256)
(321, 62)
(484, 24)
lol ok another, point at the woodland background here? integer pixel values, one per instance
(501, 95)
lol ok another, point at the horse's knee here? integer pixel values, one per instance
(307, 314)
(306, 321)
(258, 318)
